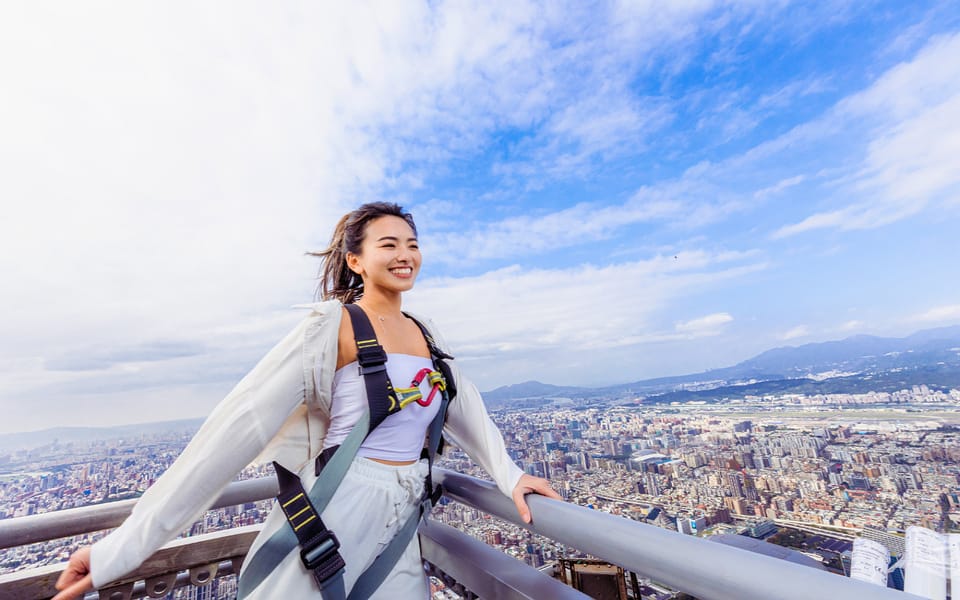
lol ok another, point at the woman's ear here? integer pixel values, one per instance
(353, 263)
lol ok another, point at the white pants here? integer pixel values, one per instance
(371, 504)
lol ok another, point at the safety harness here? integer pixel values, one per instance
(319, 547)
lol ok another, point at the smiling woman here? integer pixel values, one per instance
(351, 445)
(341, 276)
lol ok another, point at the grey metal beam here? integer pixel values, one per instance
(683, 562)
(485, 571)
(196, 553)
(97, 517)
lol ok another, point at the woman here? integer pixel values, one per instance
(305, 396)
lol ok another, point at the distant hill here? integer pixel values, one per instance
(32, 439)
(861, 352)
(531, 389)
(930, 356)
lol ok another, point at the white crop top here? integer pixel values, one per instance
(400, 436)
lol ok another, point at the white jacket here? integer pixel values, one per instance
(279, 411)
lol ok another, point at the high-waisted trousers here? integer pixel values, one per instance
(371, 504)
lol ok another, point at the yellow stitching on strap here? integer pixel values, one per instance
(297, 528)
(292, 517)
(292, 500)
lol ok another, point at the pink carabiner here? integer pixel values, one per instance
(416, 383)
(433, 392)
(418, 379)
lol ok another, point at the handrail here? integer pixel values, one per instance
(486, 571)
(85, 519)
(686, 563)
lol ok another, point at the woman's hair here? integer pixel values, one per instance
(336, 278)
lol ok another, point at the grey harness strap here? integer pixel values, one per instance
(284, 541)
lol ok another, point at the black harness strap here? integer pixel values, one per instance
(319, 547)
(373, 367)
(435, 441)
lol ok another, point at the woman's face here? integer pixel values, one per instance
(389, 258)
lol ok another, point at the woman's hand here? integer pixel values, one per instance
(76, 578)
(530, 484)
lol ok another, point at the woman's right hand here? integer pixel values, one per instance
(76, 578)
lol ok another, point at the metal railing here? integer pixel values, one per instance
(693, 565)
(97, 517)
(696, 566)
(468, 565)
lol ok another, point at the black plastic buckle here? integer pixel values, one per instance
(321, 557)
(372, 359)
(376, 368)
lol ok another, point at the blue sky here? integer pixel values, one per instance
(605, 192)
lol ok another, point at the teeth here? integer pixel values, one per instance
(402, 270)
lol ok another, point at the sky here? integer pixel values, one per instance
(604, 192)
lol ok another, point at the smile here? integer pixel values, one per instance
(402, 271)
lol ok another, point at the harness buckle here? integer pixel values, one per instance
(372, 358)
(375, 368)
(321, 557)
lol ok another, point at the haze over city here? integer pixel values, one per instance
(604, 193)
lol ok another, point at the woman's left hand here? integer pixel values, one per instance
(530, 484)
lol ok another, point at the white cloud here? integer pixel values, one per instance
(852, 325)
(790, 92)
(703, 326)
(510, 313)
(797, 332)
(779, 186)
(689, 202)
(560, 229)
(938, 314)
(165, 167)
(912, 160)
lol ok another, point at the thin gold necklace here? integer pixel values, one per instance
(381, 318)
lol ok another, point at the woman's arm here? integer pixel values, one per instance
(232, 436)
(469, 426)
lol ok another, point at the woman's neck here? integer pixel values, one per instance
(381, 305)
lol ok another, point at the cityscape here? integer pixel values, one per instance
(808, 472)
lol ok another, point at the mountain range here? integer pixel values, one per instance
(855, 364)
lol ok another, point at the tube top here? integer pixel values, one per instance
(400, 436)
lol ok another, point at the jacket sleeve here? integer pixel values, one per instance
(232, 436)
(469, 426)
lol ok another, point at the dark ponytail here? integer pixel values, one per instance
(337, 281)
